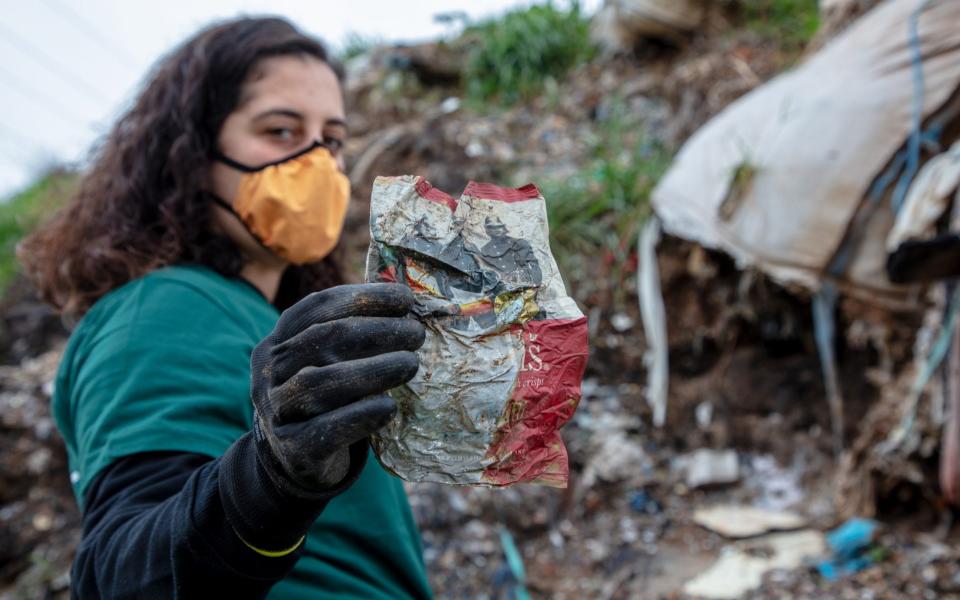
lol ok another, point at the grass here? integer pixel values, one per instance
(22, 213)
(790, 23)
(597, 212)
(511, 57)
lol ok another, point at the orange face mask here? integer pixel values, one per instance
(295, 206)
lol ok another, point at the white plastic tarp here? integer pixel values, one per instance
(776, 178)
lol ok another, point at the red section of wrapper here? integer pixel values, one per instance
(527, 445)
(426, 191)
(488, 191)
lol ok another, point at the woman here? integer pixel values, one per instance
(214, 447)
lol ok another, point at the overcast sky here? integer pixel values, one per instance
(68, 66)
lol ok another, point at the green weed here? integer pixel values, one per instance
(20, 214)
(790, 23)
(597, 212)
(511, 57)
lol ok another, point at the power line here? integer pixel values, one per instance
(51, 63)
(32, 94)
(67, 13)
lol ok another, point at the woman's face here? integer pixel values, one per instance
(288, 103)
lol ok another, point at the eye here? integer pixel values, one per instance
(282, 133)
(333, 144)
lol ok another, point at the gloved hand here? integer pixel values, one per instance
(318, 381)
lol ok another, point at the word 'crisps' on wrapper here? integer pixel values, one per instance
(506, 348)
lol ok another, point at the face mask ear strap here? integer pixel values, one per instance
(223, 203)
(226, 206)
(217, 155)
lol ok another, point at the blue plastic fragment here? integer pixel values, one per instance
(848, 540)
(643, 502)
(515, 562)
(848, 544)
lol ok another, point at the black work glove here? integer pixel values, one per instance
(319, 380)
(318, 384)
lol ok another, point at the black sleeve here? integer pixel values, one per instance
(169, 525)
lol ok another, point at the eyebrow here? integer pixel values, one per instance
(286, 112)
(337, 123)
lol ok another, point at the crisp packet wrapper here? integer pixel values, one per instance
(505, 350)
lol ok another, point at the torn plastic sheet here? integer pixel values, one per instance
(777, 178)
(505, 351)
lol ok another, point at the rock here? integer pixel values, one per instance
(745, 521)
(433, 64)
(621, 24)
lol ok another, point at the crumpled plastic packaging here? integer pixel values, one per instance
(506, 347)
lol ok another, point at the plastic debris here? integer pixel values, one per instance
(517, 574)
(736, 183)
(643, 502)
(506, 348)
(706, 467)
(617, 458)
(654, 316)
(741, 566)
(745, 521)
(850, 546)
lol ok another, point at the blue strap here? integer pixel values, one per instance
(913, 145)
(824, 305)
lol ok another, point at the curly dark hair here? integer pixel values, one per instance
(141, 206)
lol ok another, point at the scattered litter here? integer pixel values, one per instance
(617, 458)
(706, 467)
(850, 548)
(746, 521)
(517, 575)
(742, 565)
(621, 322)
(450, 105)
(643, 502)
(653, 313)
(774, 488)
(704, 414)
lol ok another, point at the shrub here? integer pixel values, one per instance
(598, 211)
(791, 23)
(21, 213)
(511, 57)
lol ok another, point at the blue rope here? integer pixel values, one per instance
(936, 355)
(906, 162)
(824, 326)
(913, 145)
